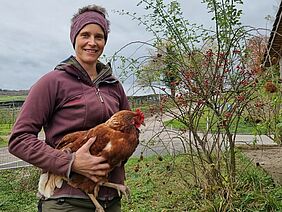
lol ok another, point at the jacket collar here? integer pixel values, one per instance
(73, 67)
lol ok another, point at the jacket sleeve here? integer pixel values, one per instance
(35, 112)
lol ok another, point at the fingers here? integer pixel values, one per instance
(95, 176)
(89, 165)
(89, 143)
(99, 159)
(101, 166)
(100, 172)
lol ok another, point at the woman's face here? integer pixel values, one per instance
(89, 44)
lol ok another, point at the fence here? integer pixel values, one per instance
(8, 161)
(8, 115)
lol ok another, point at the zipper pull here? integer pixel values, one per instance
(99, 94)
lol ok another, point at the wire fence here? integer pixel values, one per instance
(8, 114)
(8, 161)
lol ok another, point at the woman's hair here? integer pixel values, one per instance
(94, 8)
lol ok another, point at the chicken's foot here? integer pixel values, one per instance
(96, 190)
(99, 207)
(120, 189)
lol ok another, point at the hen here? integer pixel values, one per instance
(116, 140)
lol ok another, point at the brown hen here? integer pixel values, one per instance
(116, 140)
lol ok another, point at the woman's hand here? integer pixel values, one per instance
(89, 165)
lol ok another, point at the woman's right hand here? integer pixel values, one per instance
(88, 165)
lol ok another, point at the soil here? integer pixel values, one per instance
(268, 158)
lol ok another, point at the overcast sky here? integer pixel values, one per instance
(35, 33)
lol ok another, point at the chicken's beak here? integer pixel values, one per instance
(143, 123)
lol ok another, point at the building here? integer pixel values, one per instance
(273, 53)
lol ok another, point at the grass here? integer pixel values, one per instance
(256, 189)
(3, 142)
(157, 184)
(5, 130)
(166, 186)
(17, 189)
(4, 98)
(243, 127)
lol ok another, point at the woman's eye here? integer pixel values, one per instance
(99, 37)
(84, 35)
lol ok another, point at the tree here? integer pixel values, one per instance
(264, 112)
(214, 84)
(159, 70)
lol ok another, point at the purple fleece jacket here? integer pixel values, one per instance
(65, 100)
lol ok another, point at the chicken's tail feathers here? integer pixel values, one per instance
(47, 184)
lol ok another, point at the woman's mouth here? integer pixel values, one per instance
(91, 51)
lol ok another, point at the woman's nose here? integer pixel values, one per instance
(92, 41)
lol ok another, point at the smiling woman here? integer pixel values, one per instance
(89, 45)
(77, 95)
(89, 33)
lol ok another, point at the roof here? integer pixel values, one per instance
(274, 46)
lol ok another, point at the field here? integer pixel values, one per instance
(158, 184)
(11, 98)
(7, 119)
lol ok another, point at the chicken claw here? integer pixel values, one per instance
(98, 207)
(121, 189)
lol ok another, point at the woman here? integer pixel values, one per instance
(78, 94)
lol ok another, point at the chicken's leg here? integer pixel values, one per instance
(120, 189)
(96, 190)
(99, 208)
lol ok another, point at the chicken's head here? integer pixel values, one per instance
(126, 118)
(138, 118)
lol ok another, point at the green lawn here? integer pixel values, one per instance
(5, 130)
(17, 189)
(4, 98)
(3, 142)
(243, 127)
(157, 184)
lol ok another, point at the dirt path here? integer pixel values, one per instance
(269, 158)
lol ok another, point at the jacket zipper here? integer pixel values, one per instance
(101, 76)
(97, 82)
(99, 95)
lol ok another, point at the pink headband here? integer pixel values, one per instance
(89, 17)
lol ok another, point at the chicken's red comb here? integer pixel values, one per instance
(139, 111)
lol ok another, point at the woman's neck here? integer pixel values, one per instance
(90, 69)
(92, 72)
